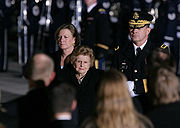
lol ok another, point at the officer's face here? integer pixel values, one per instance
(66, 39)
(82, 64)
(140, 35)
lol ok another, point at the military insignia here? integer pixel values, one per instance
(59, 3)
(116, 48)
(102, 11)
(171, 16)
(163, 46)
(136, 15)
(35, 10)
(123, 66)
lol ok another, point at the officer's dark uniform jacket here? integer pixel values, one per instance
(95, 28)
(124, 60)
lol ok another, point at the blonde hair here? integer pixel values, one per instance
(114, 107)
(82, 50)
(164, 86)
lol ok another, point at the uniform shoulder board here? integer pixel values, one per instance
(163, 46)
(102, 11)
(116, 48)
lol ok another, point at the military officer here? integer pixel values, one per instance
(131, 58)
(95, 29)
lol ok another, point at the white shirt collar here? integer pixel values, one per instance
(91, 7)
(142, 46)
(64, 117)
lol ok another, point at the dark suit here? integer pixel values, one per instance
(31, 110)
(34, 109)
(62, 124)
(134, 68)
(86, 91)
(165, 116)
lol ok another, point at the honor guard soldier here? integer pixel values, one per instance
(6, 11)
(178, 35)
(170, 36)
(170, 31)
(60, 15)
(33, 16)
(130, 59)
(95, 30)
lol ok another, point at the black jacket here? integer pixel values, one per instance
(124, 60)
(86, 91)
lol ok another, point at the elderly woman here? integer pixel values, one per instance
(85, 78)
(67, 38)
(114, 107)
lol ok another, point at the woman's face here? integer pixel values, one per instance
(66, 39)
(82, 64)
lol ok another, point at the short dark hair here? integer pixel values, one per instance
(62, 97)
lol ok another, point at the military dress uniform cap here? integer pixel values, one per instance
(139, 19)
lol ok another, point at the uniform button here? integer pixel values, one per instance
(135, 79)
(135, 70)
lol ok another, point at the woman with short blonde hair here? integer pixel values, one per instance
(83, 50)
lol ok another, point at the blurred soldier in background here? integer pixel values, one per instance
(61, 13)
(95, 30)
(37, 23)
(33, 15)
(54, 13)
(2, 36)
(178, 36)
(27, 29)
(6, 9)
(166, 27)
